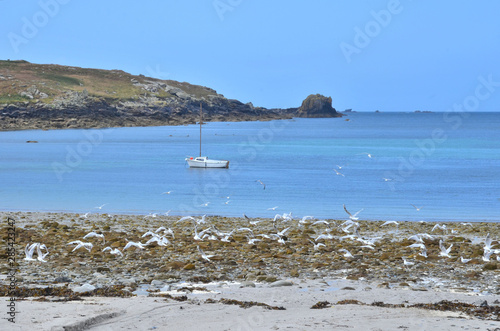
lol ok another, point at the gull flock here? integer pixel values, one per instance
(323, 236)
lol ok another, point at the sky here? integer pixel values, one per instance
(385, 55)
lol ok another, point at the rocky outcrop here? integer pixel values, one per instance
(317, 105)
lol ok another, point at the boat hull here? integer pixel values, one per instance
(203, 162)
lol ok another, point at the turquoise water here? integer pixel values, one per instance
(448, 164)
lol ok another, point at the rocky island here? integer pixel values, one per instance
(48, 96)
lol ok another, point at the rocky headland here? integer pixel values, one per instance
(41, 96)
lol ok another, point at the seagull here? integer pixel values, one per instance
(166, 231)
(439, 226)
(29, 250)
(94, 234)
(41, 256)
(149, 233)
(317, 245)
(114, 251)
(348, 224)
(340, 167)
(419, 245)
(201, 220)
(386, 179)
(407, 263)
(391, 222)
(423, 252)
(486, 256)
(305, 219)
(417, 238)
(135, 244)
(464, 260)
(87, 246)
(367, 154)
(464, 224)
(191, 218)
(417, 208)
(273, 208)
(100, 207)
(252, 241)
(338, 173)
(203, 255)
(282, 232)
(444, 251)
(287, 217)
(168, 192)
(259, 181)
(324, 236)
(347, 253)
(245, 229)
(351, 216)
(205, 204)
(161, 241)
(487, 243)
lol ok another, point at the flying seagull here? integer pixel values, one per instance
(79, 243)
(351, 216)
(114, 251)
(338, 173)
(417, 208)
(259, 181)
(203, 255)
(100, 207)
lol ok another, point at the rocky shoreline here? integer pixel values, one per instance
(215, 268)
(264, 260)
(38, 96)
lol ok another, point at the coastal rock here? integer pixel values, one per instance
(84, 288)
(317, 105)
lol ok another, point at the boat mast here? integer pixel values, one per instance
(201, 120)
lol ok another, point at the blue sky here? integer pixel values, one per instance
(383, 55)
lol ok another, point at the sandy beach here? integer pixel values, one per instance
(280, 281)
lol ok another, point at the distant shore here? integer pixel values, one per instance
(375, 270)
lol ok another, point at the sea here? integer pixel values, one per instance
(415, 166)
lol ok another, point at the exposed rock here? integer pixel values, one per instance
(84, 288)
(317, 105)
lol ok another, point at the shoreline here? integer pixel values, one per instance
(292, 274)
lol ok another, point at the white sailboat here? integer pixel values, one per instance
(204, 161)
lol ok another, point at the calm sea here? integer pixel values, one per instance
(447, 164)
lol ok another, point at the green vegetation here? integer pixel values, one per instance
(64, 80)
(6, 98)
